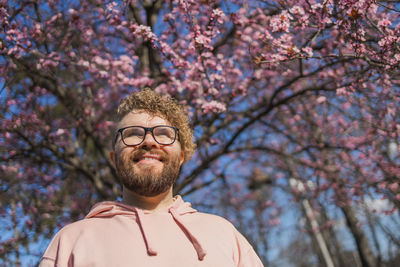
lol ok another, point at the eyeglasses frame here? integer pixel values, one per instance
(146, 130)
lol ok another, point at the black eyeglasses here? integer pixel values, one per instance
(135, 135)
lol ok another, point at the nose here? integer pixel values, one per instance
(149, 141)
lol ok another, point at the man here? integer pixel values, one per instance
(150, 227)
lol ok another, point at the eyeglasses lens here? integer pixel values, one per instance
(162, 134)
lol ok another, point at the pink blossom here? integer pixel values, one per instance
(317, 6)
(341, 91)
(202, 40)
(383, 23)
(11, 102)
(393, 187)
(213, 107)
(308, 51)
(29, 223)
(281, 22)
(297, 10)
(54, 18)
(125, 63)
(218, 15)
(112, 6)
(72, 11)
(382, 185)
(60, 132)
(100, 61)
(144, 31)
(274, 222)
(321, 99)
(83, 63)
(103, 74)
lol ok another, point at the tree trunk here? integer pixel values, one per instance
(366, 255)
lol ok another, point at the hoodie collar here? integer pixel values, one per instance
(177, 209)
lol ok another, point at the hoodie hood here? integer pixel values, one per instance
(177, 209)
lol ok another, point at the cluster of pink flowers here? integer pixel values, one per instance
(212, 107)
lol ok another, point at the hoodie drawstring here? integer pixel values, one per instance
(201, 253)
(149, 246)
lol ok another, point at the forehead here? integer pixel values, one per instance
(142, 118)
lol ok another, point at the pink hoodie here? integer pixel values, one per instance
(114, 234)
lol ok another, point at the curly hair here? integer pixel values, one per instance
(165, 107)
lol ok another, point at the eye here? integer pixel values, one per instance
(164, 132)
(133, 132)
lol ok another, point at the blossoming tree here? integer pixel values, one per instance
(292, 102)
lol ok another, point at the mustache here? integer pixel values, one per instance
(140, 152)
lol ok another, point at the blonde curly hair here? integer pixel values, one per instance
(165, 107)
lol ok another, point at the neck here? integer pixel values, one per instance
(154, 203)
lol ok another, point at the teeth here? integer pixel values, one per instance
(145, 158)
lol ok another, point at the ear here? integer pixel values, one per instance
(112, 156)
(182, 157)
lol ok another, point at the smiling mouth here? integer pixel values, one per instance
(148, 158)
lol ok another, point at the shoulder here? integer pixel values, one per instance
(211, 219)
(71, 232)
(218, 223)
(224, 231)
(65, 239)
(215, 219)
(215, 224)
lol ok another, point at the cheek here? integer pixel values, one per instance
(123, 155)
(176, 152)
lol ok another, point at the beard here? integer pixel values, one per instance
(146, 181)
